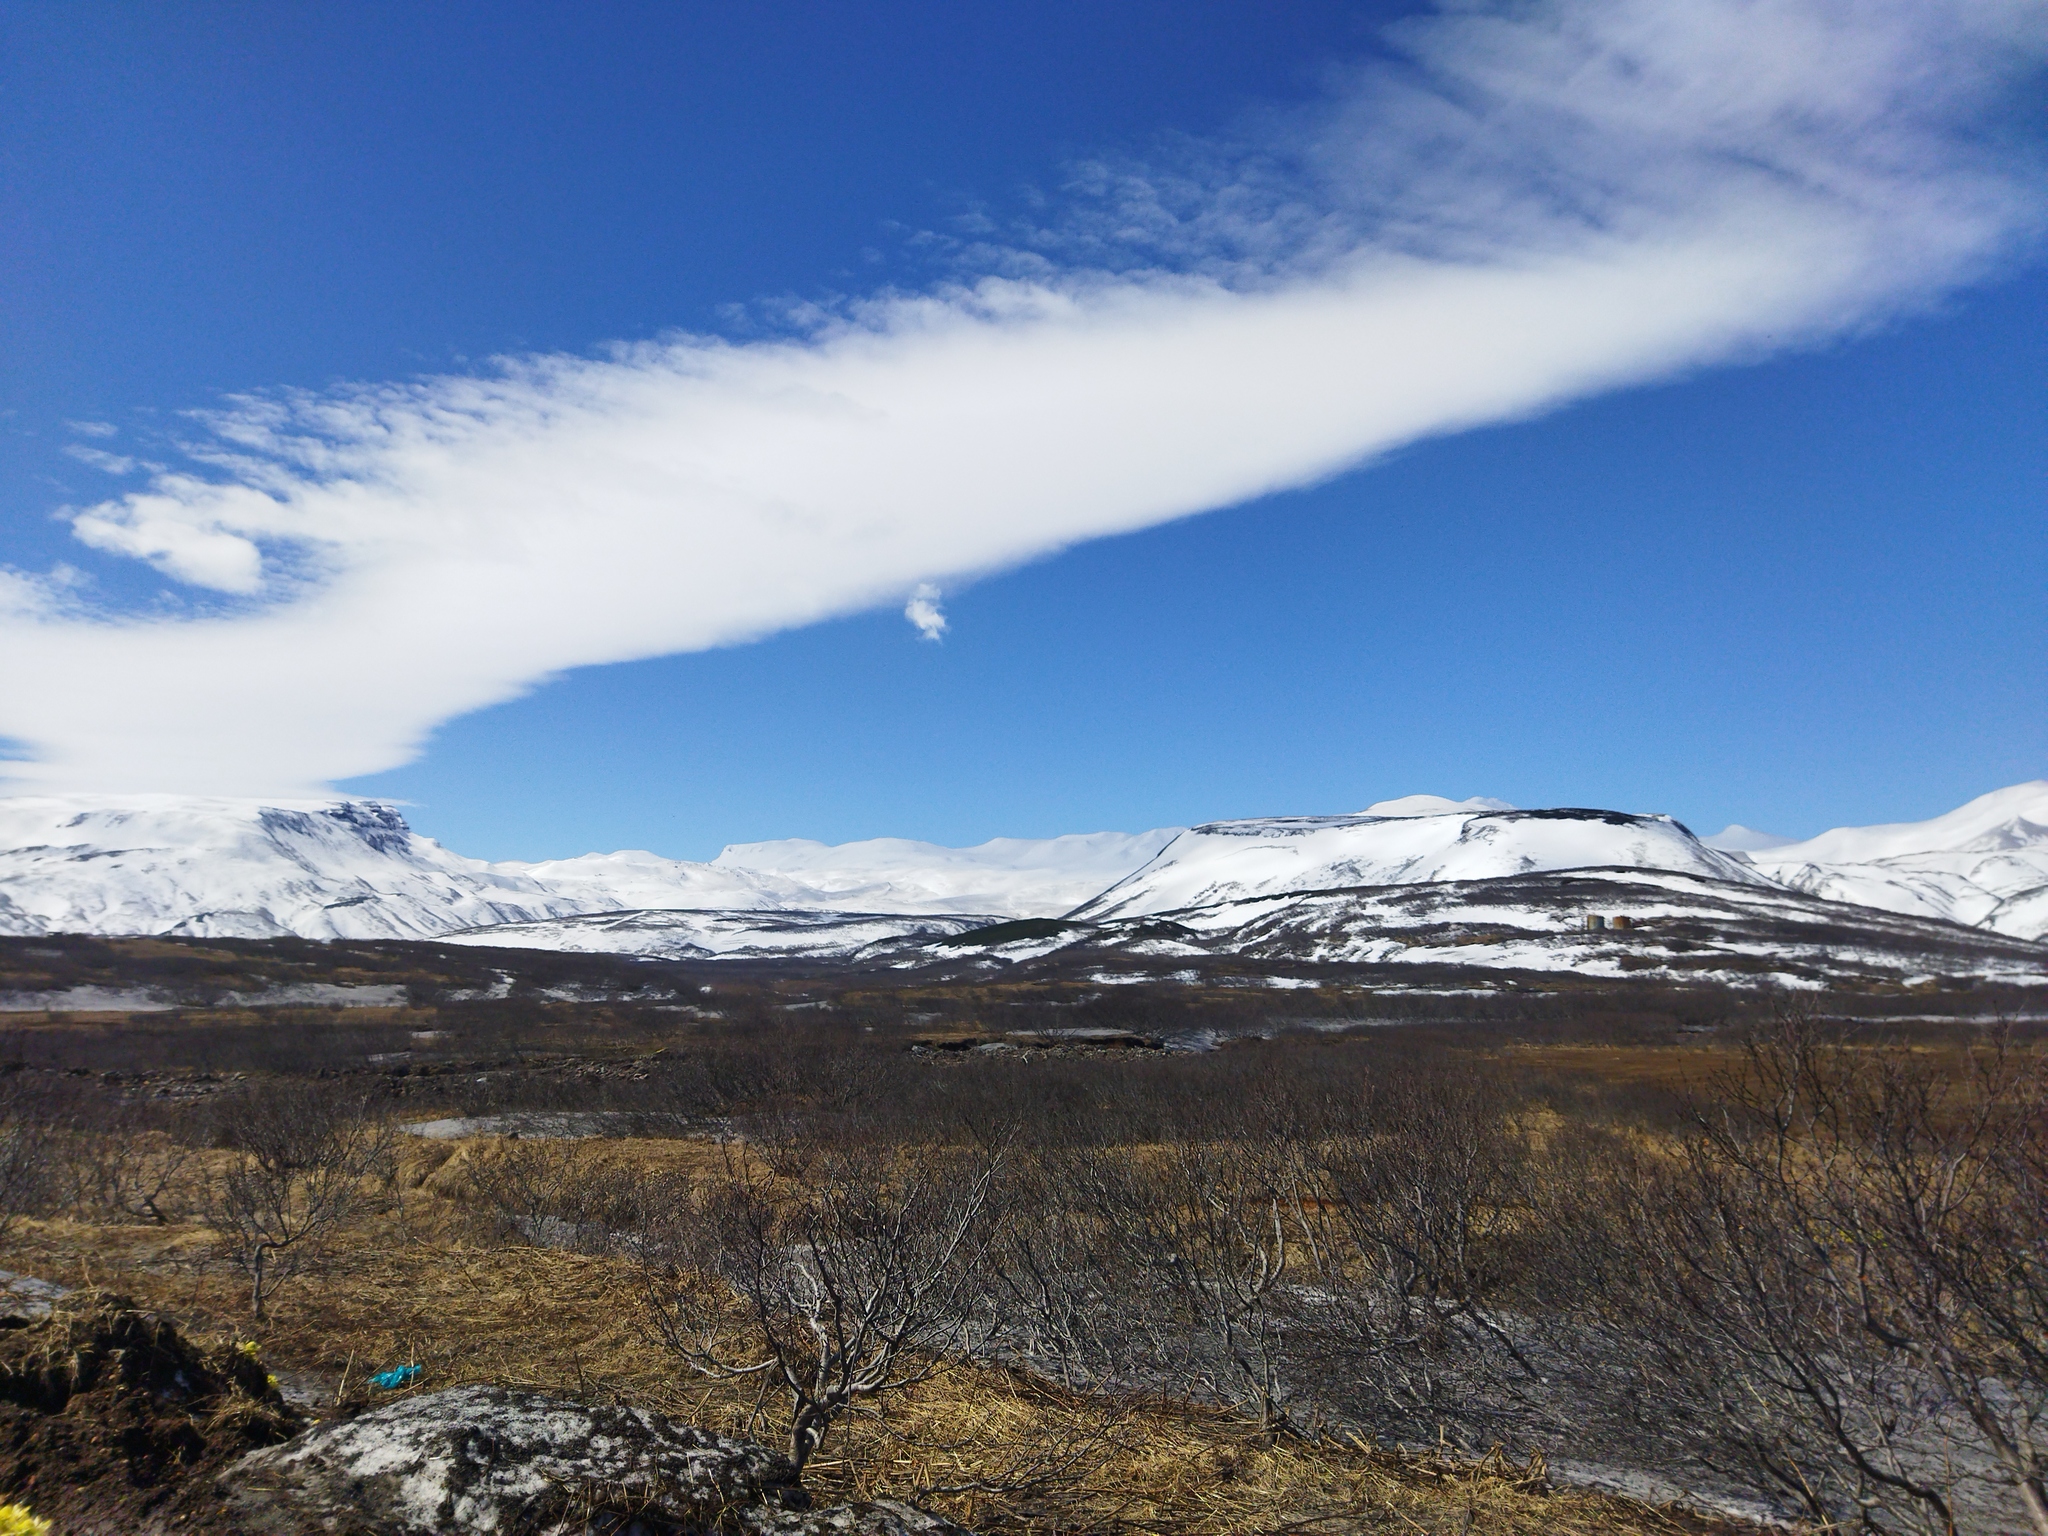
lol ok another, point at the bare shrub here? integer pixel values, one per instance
(1200, 1239)
(118, 1164)
(1412, 1194)
(30, 1182)
(850, 1272)
(521, 1187)
(1057, 1281)
(550, 1193)
(304, 1161)
(1841, 1279)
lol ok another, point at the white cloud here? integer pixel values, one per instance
(93, 428)
(1546, 202)
(100, 459)
(923, 610)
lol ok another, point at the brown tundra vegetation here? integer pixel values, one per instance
(1586, 1270)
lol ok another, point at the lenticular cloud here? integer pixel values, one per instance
(1529, 204)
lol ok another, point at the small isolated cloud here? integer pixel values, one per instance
(923, 610)
(1539, 201)
(92, 428)
(99, 458)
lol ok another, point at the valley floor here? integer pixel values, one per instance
(545, 1124)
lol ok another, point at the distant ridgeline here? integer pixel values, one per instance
(1499, 885)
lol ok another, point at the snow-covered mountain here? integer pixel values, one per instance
(1008, 876)
(1415, 843)
(1012, 877)
(353, 869)
(1736, 838)
(243, 869)
(1985, 863)
(1020, 877)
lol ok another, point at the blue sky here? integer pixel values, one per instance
(1792, 587)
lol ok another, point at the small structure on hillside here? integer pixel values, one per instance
(1595, 923)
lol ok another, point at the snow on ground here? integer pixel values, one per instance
(562, 1125)
(721, 935)
(85, 1000)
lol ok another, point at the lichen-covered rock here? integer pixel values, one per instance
(25, 1299)
(883, 1517)
(481, 1461)
(495, 1463)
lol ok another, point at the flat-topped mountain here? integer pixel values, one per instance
(1235, 860)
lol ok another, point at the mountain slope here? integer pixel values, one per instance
(1452, 936)
(1236, 860)
(838, 938)
(1985, 863)
(1009, 876)
(241, 869)
(352, 869)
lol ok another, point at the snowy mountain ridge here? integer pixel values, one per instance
(1984, 863)
(180, 865)
(218, 868)
(352, 869)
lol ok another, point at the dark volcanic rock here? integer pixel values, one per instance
(481, 1461)
(111, 1421)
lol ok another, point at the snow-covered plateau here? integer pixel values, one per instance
(1406, 881)
(1232, 860)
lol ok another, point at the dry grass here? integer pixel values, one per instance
(1676, 1067)
(416, 1285)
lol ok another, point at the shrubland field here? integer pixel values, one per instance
(1054, 1258)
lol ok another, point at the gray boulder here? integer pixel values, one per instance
(25, 1299)
(481, 1461)
(883, 1517)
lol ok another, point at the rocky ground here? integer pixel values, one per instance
(112, 1423)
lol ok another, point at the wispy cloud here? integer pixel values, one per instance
(100, 459)
(924, 612)
(1541, 202)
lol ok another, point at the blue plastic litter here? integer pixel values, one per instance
(398, 1376)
